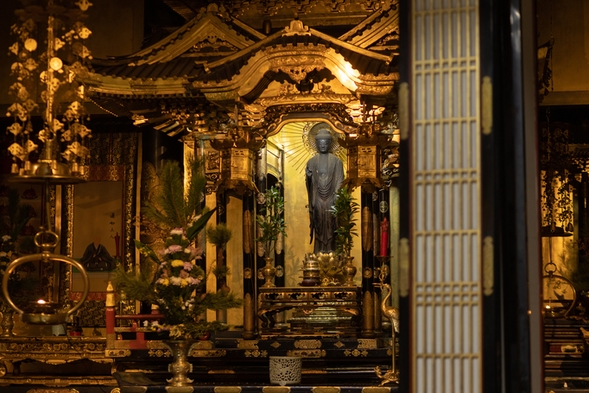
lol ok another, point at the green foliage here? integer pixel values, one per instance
(137, 285)
(344, 209)
(271, 222)
(177, 286)
(170, 277)
(221, 271)
(218, 235)
(171, 207)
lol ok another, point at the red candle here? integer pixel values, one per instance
(384, 237)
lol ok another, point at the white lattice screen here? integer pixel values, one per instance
(446, 238)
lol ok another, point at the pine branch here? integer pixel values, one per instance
(196, 186)
(171, 197)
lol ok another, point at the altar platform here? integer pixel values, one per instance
(223, 364)
(230, 361)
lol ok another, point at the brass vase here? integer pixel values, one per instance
(269, 272)
(180, 367)
(349, 271)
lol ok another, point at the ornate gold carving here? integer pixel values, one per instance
(159, 353)
(249, 315)
(326, 389)
(226, 371)
(55, 384)
(296, 68)
(367, 343)
(255, 354)
(53, 350)
(208, 353)
(307, 353)
(487, 105)
(212, 169)
(367, 272)
(202, 344)
(152, 344)
(356, 353)
(366, 228)
(227, 389)
(488, 266)
(241, 164)
(368, 314)
(117, 353)
(376, 389)
(247, 344)
(367, 161)
(314, 371)
(276, 389)
(307, 344)
(296, 28)
(247, 273)
(404, 267)
(404, 110)
(53, 390)
(230, 168)
(339, 344)
(248, 234)
(275, 345)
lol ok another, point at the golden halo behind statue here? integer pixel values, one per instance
(310, 134)
(298, 142)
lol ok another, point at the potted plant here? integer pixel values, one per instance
(270, 227)
(344, 210)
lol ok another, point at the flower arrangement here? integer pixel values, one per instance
(173, 279)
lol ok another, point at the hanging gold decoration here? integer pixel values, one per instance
(62, 140)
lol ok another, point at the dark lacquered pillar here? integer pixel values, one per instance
(221, 253)
(249, 270)
(279, 254)
(368, 260)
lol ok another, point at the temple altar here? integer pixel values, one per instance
(308, 302)
(253, 132)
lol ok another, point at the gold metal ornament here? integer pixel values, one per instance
(44, 312)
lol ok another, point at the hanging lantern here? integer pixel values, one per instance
(232, 165)
(558, 169)
(365, 158)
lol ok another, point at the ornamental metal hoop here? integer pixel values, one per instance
(42, 318)
(562, 309)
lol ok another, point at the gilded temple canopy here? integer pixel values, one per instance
(216, 68)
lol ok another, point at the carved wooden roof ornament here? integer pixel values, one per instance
(191, 81)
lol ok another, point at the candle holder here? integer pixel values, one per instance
(383, 270)
(42, 312)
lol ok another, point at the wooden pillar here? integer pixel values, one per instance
(368, 294)
(382, 261)
(279, 253)
(249, 268)
(220, 252)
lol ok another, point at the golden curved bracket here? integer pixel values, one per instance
(42, 318)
